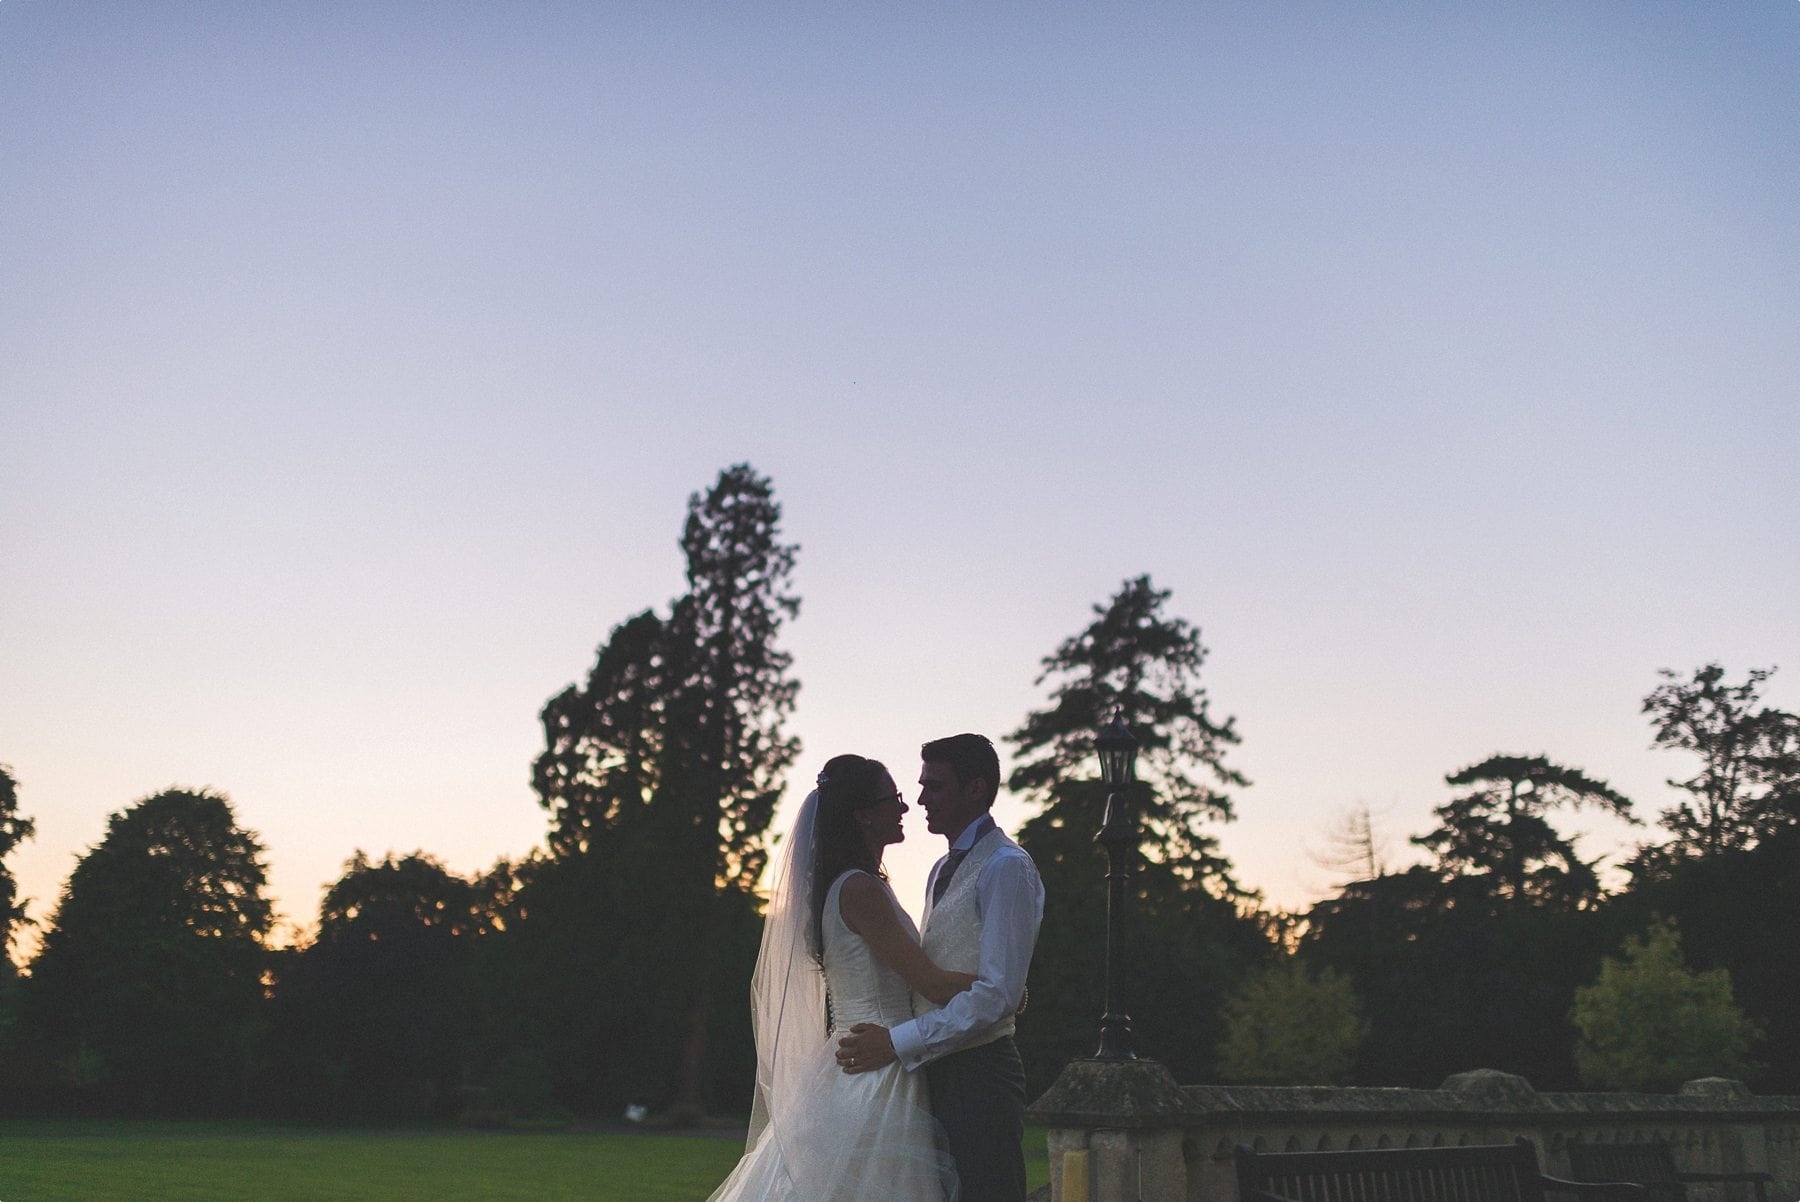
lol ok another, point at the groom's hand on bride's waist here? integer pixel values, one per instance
(865, 1049)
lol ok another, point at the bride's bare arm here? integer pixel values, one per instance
(866, 909)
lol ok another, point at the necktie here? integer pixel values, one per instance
(945, 873)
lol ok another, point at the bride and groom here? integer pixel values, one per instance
(886, 1067)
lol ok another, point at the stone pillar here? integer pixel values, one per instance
(1738, 1148)
(1125, 1121)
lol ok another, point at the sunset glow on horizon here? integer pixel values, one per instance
(357, 361)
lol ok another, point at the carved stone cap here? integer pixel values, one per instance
(1098, 1094)
(1112, 1093)
(1717, 1088)
(1492, 1088)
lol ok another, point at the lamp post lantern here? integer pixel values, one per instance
(1117, 748)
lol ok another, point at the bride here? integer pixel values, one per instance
(837, 949)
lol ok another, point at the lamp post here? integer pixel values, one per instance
(1117, 748)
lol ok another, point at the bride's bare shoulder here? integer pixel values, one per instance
(859, 884)
(862, 896)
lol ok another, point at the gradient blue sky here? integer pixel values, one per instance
(356, 361)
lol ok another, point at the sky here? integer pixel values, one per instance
(357, 362)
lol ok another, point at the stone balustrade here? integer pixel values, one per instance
(1137, 1135)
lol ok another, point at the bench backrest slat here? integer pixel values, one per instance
(1487, 1173)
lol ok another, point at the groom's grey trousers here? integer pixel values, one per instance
(979, 1098)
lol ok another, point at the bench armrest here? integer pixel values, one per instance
(1602, 1189)
(1760, 1180)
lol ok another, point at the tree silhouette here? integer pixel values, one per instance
(14, 830)
(1497, 830)
(603, 757)
(1449, 979)
(665, 768)
(1737, 910)
(378, 1017)
(680, 723)
(1145, 666)
(1355, 846)
(1748, 785)
(149, 984)
(728, 754)
(1185, 942)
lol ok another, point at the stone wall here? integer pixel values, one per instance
(1146, 1138)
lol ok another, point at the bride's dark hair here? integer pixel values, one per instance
(849, 785)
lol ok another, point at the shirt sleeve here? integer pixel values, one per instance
(1010, 898)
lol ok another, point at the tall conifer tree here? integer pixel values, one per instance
(661, 775)
(1187, 940)
(1144, 665)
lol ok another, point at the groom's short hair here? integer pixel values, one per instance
(970, 757)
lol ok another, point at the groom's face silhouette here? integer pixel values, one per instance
(949, 804)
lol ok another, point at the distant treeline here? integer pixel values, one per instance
(611, 968)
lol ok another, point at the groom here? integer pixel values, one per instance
(985, 905)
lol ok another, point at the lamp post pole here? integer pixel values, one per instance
(1117, 748)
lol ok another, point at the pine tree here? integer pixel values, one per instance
(1185, 940)
(1144, 666)
(727, 753)
(661, 775)
(680, 725)
(1497, 830)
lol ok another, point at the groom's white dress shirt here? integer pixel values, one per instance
(1010, 901)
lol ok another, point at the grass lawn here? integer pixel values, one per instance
(196, 1162)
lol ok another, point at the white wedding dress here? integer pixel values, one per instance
(837, 1137)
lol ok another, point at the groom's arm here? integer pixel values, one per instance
(1011, 898)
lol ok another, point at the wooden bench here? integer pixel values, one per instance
(1652, 1164)
(1481, 1173)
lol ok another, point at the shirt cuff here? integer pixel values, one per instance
(909, 1045)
